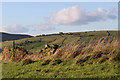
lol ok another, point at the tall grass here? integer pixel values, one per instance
(96, 50)
(100, 49)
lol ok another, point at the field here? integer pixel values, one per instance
(94, 54)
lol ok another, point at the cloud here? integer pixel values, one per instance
(41, 27)
(112, 13)
(77, 15)
(15, 28)
(113, 10)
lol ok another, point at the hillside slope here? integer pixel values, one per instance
(8, 37)
(93, 54)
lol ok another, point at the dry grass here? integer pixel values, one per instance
(104, 47)
(26, 61)
(13, 54)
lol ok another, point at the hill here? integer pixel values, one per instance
(94, 54)
(8, 37)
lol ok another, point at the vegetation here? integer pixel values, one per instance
(68, 55)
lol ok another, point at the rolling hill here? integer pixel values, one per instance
(94, 54)
(8, 37)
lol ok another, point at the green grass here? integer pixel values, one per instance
(33, 47)
(68, 68)
(63, 70)
(58, 39)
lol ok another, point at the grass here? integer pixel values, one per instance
(37, 42)
(63, 70)
(81, 55)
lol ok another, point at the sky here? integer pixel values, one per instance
(36, 18)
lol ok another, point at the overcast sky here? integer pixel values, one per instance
(52, 17)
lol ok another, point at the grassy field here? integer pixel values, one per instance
(79, 55)
(38, 43)
(63, 70)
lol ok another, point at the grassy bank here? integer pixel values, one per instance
(79, 55)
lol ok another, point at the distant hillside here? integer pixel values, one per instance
(8, 37)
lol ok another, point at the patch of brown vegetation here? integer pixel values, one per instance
(56, 61)
(48, 50)
(116, 57)
(96, 51)
(103, 59)
(80, 52)
(26, 61)
(45, 62)
(14, 54)
(96, 55)
(67, 51)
